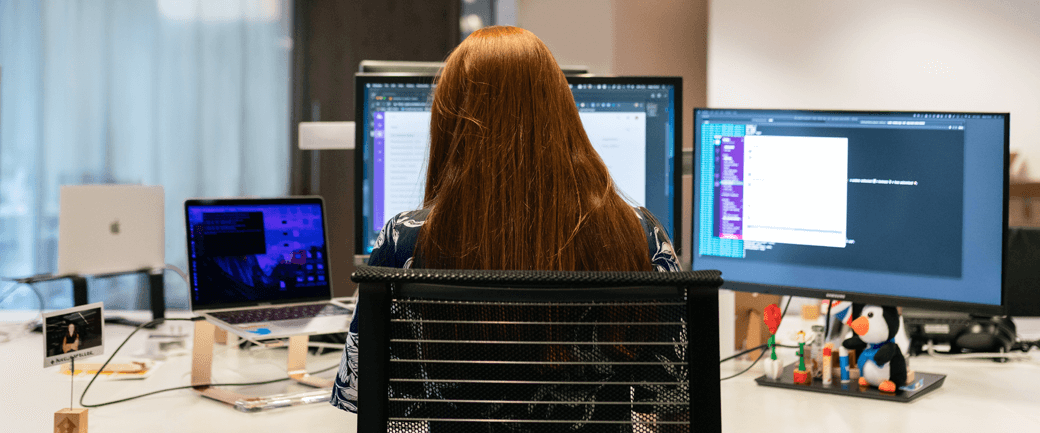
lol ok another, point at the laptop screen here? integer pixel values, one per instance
(256, 251)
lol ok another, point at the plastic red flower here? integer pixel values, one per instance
(771, 316)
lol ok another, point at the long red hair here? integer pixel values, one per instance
(512, 180)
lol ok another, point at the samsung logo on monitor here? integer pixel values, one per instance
(835, 295)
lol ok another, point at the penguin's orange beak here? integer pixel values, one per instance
(860, 325)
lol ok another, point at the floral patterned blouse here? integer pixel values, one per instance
(395, 247)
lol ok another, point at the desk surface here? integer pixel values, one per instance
(32, 394)
(977, 395)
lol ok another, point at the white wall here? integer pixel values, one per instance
(578, 32)
(636, 37)
(942, 55)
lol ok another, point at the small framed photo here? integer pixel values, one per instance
(73, 333)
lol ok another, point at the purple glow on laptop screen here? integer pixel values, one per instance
(242, 254)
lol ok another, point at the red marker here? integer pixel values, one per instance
(827, 365)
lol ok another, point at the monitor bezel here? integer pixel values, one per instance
(361, 79)
(858, 297)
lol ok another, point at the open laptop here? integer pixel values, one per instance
(107, 229)
(259, 268)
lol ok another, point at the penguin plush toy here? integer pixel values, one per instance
(880, 361)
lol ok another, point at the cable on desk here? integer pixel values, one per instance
(754, 349)
(1025, 346)
(5, 335)
(996, 356)
(18, 283)
(178, 271)
(760, 355)
(157, 322)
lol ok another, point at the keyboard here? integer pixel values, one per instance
(274, 314)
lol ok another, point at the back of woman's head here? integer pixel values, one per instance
(513, 181)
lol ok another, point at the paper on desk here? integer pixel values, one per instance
(126, 369)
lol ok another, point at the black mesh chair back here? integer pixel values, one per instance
(532, 351)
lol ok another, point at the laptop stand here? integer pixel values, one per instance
(202, 369)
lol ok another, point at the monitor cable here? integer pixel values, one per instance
(154, 323)
(178, 271)
(996, 356)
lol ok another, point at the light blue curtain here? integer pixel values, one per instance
(191, 95)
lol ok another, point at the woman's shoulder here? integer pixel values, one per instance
(395, 244)
(411, 218)
(662, 254)
(648, 220)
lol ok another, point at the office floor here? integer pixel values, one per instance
(977, 395)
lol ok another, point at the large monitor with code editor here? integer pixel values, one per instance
(890, 208)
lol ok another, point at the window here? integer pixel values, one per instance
(190, 95)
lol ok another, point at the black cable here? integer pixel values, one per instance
(760, 355)
(1024, 346)
(743, 353)
(752, 350)
(157, 322)
(265, 382)
(827, 323)
(782, 315)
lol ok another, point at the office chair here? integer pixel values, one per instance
(533, 351)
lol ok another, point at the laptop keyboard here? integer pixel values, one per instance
(279, 313)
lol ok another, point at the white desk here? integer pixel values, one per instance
(31, 394)
(978, 395)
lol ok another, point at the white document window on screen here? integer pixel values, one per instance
(795, 190)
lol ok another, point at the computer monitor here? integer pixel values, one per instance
(633, 122)
(889, 208)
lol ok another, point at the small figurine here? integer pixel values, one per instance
(815, 361)
(881, 362)
(827, 373)
(773, 366)
(801, 374)
(843, 357)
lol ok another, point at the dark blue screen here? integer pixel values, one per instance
(251, 253)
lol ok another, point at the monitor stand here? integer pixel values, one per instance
(923, 383)
(156, 292)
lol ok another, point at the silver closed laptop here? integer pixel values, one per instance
(106, 229)
(259, 268)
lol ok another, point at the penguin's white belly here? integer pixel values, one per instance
(874, 374)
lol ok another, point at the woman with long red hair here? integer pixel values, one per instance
(512, 181)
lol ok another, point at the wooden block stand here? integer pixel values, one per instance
(202, 367)
(70, 421)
